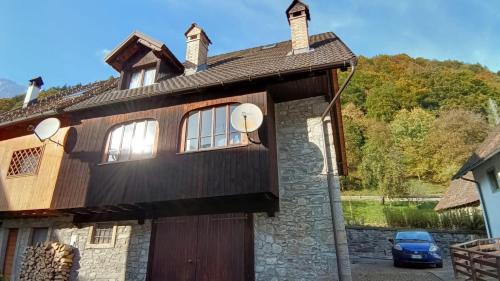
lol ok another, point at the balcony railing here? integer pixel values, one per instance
(478, 259)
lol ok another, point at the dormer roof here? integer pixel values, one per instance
(126, 49)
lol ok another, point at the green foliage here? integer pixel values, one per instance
(409, 130)
(450, 220)
(407, 214)
(412, 119)
(451, 140)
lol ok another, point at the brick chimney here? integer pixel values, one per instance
(197, 49)
(33, 90)
(298, 16)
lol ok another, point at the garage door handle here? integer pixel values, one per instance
(190, 261)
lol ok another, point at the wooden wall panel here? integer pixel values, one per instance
(85, 182)
(31, 191)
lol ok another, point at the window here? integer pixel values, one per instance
(131, 141)
(210, 128)
(25, 162)
(492, 177)
(142, 77)
(39, 235)
(102, 235)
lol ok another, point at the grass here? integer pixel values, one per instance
(372, 212)
(416, 188)
(408, 214)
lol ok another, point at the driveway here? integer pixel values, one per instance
(383, 270)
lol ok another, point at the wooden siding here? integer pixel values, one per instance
(85, 182)
(203, 248)
(30, 192)
(10, 251)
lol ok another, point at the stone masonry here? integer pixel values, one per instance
(297, 244)
(371, 242)
(127, 259)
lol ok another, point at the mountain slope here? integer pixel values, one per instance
(9, 88)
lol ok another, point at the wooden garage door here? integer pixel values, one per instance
(10, 250)
(203, 248)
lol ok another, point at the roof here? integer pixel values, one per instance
(55, 103)
(267, 61)
(245, 65)
(128, 47)
(488, 148)
(460, 193)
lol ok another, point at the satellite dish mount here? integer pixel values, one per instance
(247, 118)
(46, 129)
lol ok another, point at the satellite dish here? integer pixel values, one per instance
(246, 118)
(47, 128)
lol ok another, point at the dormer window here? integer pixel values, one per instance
(142, 77)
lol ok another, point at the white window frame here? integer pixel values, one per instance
(142, 72)
(90, 236)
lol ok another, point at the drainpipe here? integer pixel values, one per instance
(339, 232)
(485, 212)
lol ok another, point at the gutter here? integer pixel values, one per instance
(485, 212)
(339, 231)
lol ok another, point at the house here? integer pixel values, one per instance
(148, 180)
(485, 166)
(461, 194)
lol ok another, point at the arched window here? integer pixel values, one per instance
(210, 128)
(131, 141)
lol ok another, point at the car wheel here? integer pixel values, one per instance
(439, 265)
(397, 264)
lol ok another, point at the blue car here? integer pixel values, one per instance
(415, 247)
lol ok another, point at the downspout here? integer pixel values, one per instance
(339, 232)
(485, 212)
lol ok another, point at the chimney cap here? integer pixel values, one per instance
(37, 81)
(297, 6)
(193, 25)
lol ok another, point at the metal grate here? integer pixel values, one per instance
(103, 234)
(25, 161)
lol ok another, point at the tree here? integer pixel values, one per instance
(452, 138)
(383, 102)
(380, 167)
(354, 120)
(409, 130)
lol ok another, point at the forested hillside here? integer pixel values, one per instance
(411, 123)
(7, 104)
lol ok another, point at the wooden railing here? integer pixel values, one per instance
(478, 259)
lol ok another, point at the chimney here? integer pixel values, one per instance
(33, 90)
(197, 49)
(298, 16)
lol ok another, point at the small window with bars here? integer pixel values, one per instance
(102, 234)
(25, 162)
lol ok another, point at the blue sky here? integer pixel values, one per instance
(65, 41)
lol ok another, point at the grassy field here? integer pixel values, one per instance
(416, 189)
(372, 212)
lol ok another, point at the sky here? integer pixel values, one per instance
(65, 41)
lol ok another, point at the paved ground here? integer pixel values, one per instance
(383, 270)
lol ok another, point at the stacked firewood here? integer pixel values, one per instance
(47, 261)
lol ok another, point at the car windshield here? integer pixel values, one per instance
(414, 235)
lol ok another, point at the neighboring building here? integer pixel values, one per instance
(153, 183)
(461, 194)
(485, 166)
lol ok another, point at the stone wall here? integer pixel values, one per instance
(297, 244)
(372, 242)
(125, 260)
